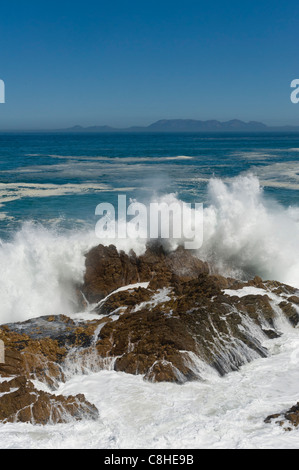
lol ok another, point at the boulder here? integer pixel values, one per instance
(288, 419)
(36, 349)
(21, 402)
(107, 269)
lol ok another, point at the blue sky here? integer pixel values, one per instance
(126, 62)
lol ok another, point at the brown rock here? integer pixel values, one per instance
(107, 269)
(37, 348)
(31, 353)
(294, 299)
(22, 402)
(290, 312)
(290, 417)
(153, 338)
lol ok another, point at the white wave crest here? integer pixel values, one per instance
(245, 234)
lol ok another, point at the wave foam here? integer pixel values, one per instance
(245, 234)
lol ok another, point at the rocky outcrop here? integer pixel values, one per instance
(186, 317)
(288, 420)
(39, 347)
(20, 401)
(181, 322)
(107, 269)
(195, 320)
(36, 349)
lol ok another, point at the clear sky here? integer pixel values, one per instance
(123, 63)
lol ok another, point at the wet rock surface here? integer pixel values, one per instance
(185, 320)
(36, 350)
(107, 269)
(180, 322)
(288, 420)
(21, 402)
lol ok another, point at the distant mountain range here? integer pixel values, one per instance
(190, 125)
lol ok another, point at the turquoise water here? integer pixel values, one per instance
(58, 179)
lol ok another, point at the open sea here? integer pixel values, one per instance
(50, 185)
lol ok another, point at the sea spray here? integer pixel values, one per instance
(41, 269)
(245, 234)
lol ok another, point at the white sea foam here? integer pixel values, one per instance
(38, 271)
(246, 234)
(115, 159)
(159, 297)
(279, 175)
(40, 268)
(221, 412)
(253, 155)
(14, 191)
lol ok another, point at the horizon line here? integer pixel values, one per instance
(169, 126)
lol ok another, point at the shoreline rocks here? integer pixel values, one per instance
(288, 420)
(35, 350)
(22, 402)
(107, 269)
(163, 315)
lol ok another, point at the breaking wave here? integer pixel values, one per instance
(244, 234)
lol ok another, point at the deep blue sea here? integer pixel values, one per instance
(60, 178)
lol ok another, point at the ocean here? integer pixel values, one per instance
(50, 186)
